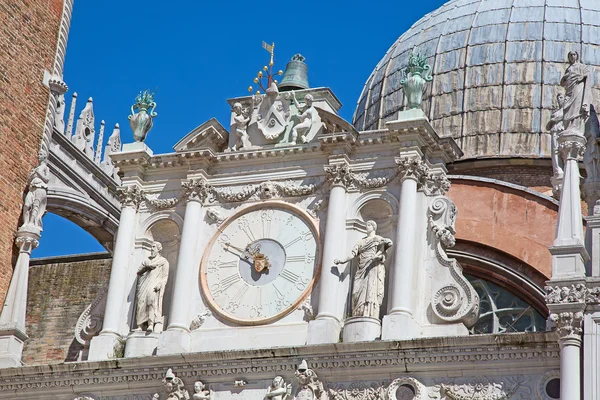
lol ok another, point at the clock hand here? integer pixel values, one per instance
(242, 253)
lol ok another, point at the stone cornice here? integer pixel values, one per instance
(331, 360)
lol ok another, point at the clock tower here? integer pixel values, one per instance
(286, 228)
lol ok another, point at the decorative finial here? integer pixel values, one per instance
(268, 70)
(141, 123)
(416, 74)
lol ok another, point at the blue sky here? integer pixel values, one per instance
(199, 53)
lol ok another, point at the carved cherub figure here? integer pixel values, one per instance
(173, 387)
(279, 390)
(241, 120)
(307, 118)
(200, 391)
(310, 386)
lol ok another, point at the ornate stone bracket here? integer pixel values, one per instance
(458, 300)
(89, 323)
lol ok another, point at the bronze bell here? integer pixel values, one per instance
(296, 75)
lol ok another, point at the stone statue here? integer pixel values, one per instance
(152, 279)
(141, 123)
(369, 279)
(556, 127)
(241, 120)
(85, 132)
(279, 390)
(578, 95)
(416, 75)
(308, 117)
(173, 387)
(309, 385)
(34, 206)
(59, 119)
(200, 391)
(591, 157)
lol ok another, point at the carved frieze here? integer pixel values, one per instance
(357, 391)
(266, 190)
(574, 294)
(482, 388)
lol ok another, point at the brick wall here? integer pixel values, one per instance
(60, 289)
(28, 41)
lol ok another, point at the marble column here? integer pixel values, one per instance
(12, 319)
(400, 322)
(327, 325)
(102, 347)
(568, 328)
(176, 339)
(568, 252)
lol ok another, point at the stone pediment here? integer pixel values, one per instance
(333, 123)
(211, 135)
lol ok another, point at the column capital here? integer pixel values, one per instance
(197, 189)
(339, 174)
(27, 241)
(568, 326)
(436, 184)
(571, 146)
(412, 168)
(130, 196)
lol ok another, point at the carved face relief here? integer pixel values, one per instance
(261, 264)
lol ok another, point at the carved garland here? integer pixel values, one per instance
(457, 301)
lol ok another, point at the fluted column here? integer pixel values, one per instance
(176, 339)
(400, 323)
(12, 319)
(568, 328)
(328, 323)
(102, 347)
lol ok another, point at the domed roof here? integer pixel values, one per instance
(496, 66)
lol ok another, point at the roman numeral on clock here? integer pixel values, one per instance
(294, 279)
(294, 259)
(229, 281)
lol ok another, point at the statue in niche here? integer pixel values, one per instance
(308, 117)
(578, 95)
(152, 279)
(200, 391)
(556, 127)
(279, 390)
(34, 206)
(369, 279)
(310, 386)
(241, 120)
(173, 387)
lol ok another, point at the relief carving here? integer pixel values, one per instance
(89, 323)
(568, 324)
(310, 386)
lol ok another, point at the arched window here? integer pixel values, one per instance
(503, 312)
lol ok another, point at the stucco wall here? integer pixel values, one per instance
(513, 221)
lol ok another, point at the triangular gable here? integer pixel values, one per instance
(210, 134)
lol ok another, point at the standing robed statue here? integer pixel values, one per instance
(152, 279)
(368, 285)
(578, 95)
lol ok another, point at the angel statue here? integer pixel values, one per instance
(369, 279)
(279, 390)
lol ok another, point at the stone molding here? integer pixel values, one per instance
(427, 354)
(412, 168)
(130, 196)
(568, 325)
(457, 300)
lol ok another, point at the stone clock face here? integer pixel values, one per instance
(261, 264)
